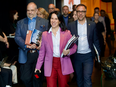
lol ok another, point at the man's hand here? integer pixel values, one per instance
(97, 59)
(39, 45)
(32, 46)
(66, 52)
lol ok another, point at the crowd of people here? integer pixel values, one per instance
(45, 60)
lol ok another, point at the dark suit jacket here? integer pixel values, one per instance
(2, 84)
(108, 29)
(113, 7)
(20, 35)
(70, 19)
(91, 34)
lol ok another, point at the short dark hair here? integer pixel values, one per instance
(81, 5)
(102, 11)
(60, 18)
(73, 7)
(96, 8)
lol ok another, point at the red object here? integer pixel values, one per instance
(57, 75)
(36, 76)
(28, 37)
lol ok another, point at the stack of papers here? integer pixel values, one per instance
(72, 40)
(36, 35)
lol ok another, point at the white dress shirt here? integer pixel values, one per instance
(56, 43)
(83, 46)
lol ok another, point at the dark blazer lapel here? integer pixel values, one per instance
(25, 26)
(76, 30)
(38, 19)
(88, 28)
(61, 40)
(50, 40)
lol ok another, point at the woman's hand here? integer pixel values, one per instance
(66, 52)
(7, 64)
(37, 70)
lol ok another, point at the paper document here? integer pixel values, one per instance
(97, 53)
(72, 40)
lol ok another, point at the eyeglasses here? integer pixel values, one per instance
(80, 11)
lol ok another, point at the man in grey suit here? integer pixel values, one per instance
(28, 54)
(83, 59)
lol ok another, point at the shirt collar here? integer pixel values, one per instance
(65, 17)
(32, 18)
(51, 30)
(85, 22)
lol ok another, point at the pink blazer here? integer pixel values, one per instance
(46, 53)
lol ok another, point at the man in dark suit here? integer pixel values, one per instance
(83, 59)
(66, 16)
(28, 54)
(108, 29)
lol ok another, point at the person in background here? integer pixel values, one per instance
(13, 48)
(51, 8)
(2, 84)
(6, 77)
(113, 10)
(42, 13)
(100, 33)
(56, 68)
(108, 29)
(75, 15)
(28, 54)
(82, 60)
(74, 8)
(5, 74)
(101, 19)
(4, 44)
(65, 14)
(13, 19)
(4, 50)
(12, 52)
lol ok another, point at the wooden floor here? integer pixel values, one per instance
(97, 81)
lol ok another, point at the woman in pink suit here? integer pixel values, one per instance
(53, 43)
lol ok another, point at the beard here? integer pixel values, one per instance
(81, 19)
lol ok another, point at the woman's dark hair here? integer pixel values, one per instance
(12, 13)
(60, 18)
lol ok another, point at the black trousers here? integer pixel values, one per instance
(108, 41)
(6, 76)
(27, 70)
(2, 84)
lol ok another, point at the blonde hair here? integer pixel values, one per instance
(44, 12)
